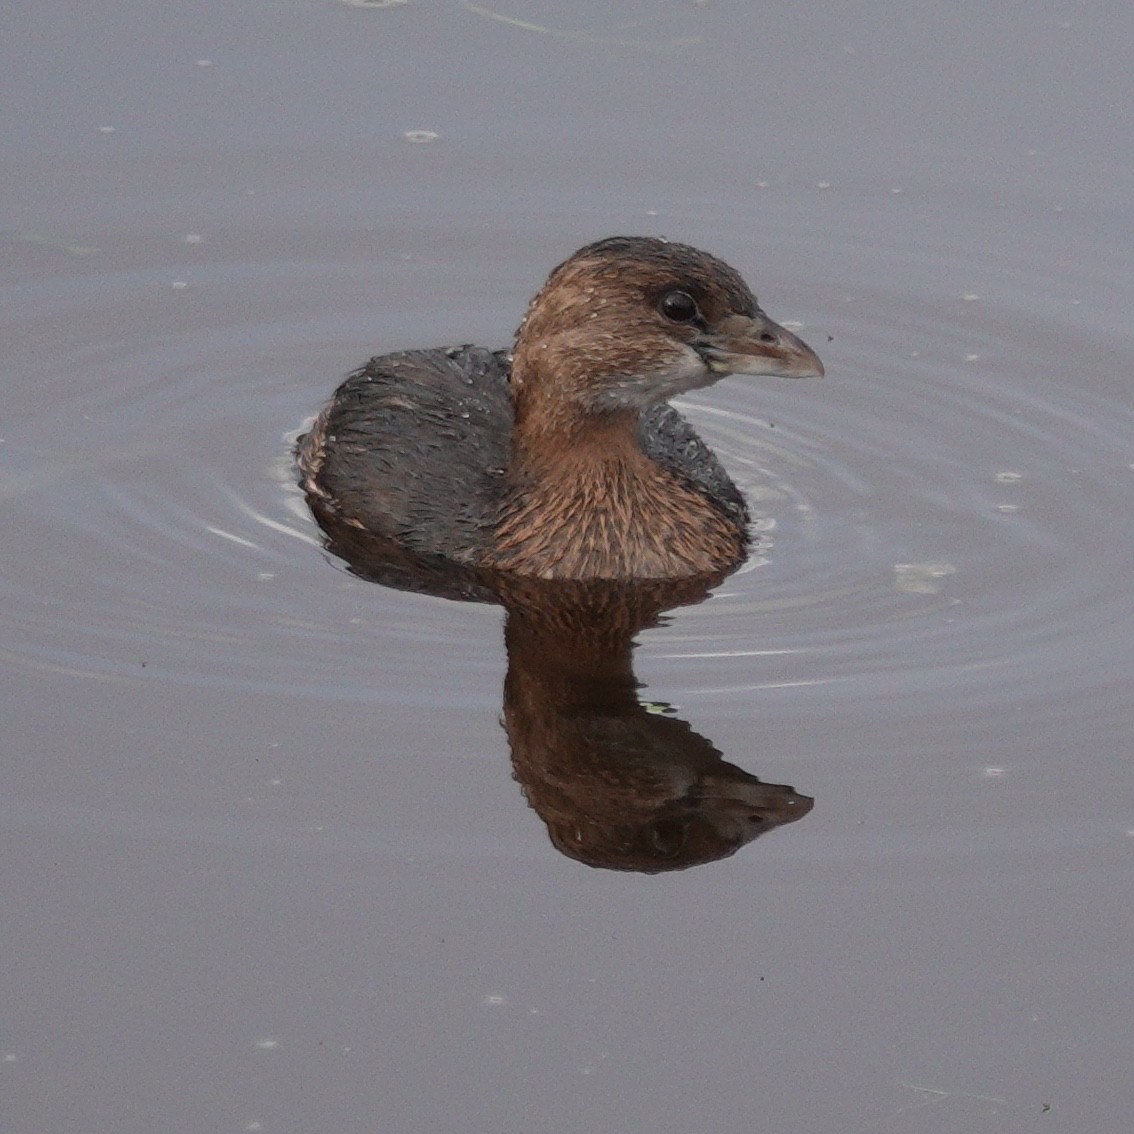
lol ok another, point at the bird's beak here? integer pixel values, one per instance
(756, 345)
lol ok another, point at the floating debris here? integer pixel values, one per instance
(921, 578)
(420, 137)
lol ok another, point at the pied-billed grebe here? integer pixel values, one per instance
(562, 461)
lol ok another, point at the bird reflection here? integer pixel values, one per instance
(619, 784)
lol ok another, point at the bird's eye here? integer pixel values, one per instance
(678, 307)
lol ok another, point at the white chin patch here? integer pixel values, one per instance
(686, 371)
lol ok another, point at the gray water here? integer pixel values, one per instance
(265, 865)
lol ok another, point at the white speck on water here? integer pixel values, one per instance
(374, 3)
(970, 297)
(494, 1001)
(9, 1057)
(822, 185)
(651, 212)
(1007, 508)
(972, 358)
(994, 773)
(255, 1124)
(762, 184)
(896, 189)
(203, 63)
(106, 129)
(179, 285)
(792, 324)
(192, 238)
(420, 137)
(921, 578)
(267, 1044)
(1007, 477)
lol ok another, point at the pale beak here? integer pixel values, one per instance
(757, 345)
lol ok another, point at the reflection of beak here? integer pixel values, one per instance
(743, 345)
(774, 803)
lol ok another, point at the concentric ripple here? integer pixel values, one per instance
(154, 527)
(952, 512)
(949, 509)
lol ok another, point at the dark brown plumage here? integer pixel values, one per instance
(561, 460)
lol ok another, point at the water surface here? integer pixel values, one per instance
(265, 863)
